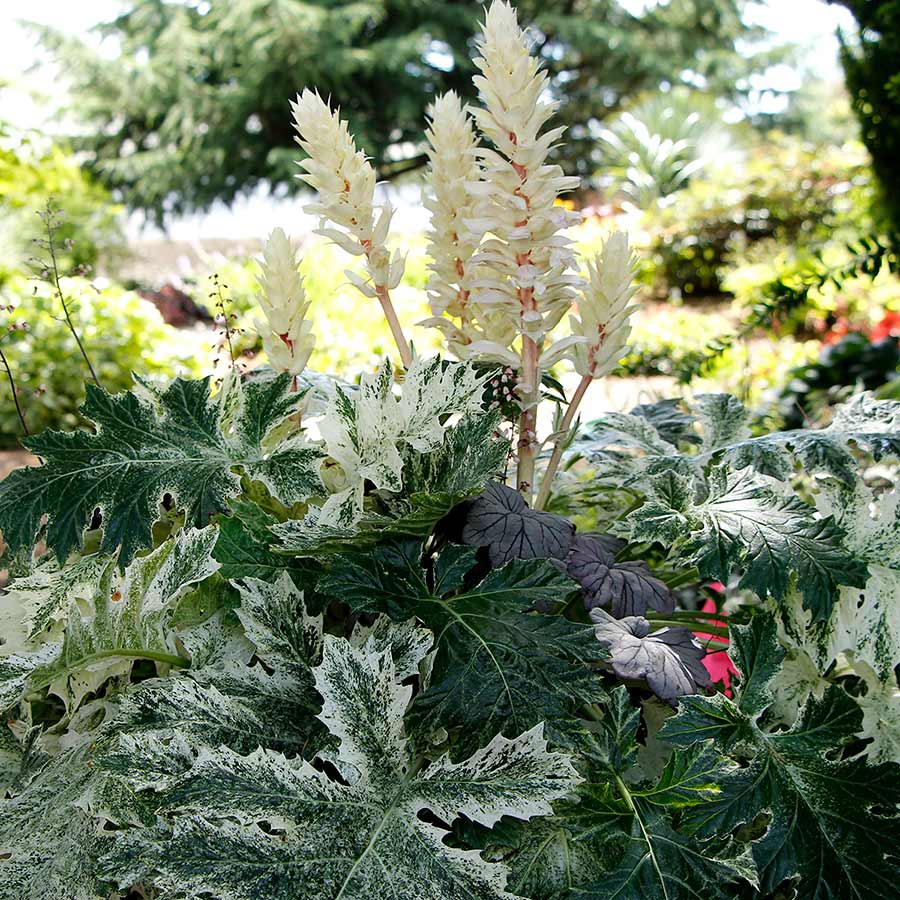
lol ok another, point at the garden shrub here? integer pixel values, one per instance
(321, 648)
(792, 193)
(124, 334)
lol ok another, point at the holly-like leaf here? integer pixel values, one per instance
(244, 548)
(724, 420)
(866, 623)
(175, 443)
(367, 432)
(863, 630)
(499, 667)
(49, 837)
(628, 588)
(45, 595)
(744, 523)
(619, 839)
(670, 660)
(275, 620)
(873, 424)
(629, 448)
(672, 421)
(833, 821)
(263, 825)
(127, 621)
(501, 521)
(57, 858)
(12, 755)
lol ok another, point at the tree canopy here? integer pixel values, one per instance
(194, 106)
(872, 66)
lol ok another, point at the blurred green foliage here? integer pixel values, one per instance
(34, 173)
(794, 196)
(122, 333)
(652, 150)
(201, 91)
(853, 364)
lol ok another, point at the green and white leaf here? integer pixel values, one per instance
(866, 623)
(126, 620)
(433, 484)
(339, 841)
(244, 547)
(833, 821)
(863, 632)
(51, 831)
(749, 523)
(45, 596)
(172, 442)
(618, 838)
(367, 432)
(626, 448)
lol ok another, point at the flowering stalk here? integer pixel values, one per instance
(286, 333)
(15, 394)
(526, 262)
(345, 182)
(603, 329)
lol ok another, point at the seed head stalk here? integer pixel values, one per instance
(54, 273)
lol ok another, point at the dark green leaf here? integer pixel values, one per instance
(833, 821)
(499, 667)
(143, 449)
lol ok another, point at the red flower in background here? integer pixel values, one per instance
(718, 664)
(889, 326)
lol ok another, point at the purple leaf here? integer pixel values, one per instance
(629, 588)
(669, 660)
(500, 520)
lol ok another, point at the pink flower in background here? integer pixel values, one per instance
(718, 664)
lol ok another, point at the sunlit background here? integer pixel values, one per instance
(721, 134)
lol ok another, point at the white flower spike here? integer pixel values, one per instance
(286, 333)
(345, 182)
(604, 309)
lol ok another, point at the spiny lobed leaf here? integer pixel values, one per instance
(834, 821)
(634, 445)
(357, 840)
(862, 634)
(368, 432)
(617, 838)
(433, 484)
(744, 523)
(127, 621)
(498, 667)
(175, 443)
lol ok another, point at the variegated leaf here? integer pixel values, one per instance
(242, 827)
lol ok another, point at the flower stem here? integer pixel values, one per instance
(528, 419)
(702, 627)
(564, 426)
(12, 387)
(384, 298)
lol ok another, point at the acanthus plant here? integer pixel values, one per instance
(307, 639)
